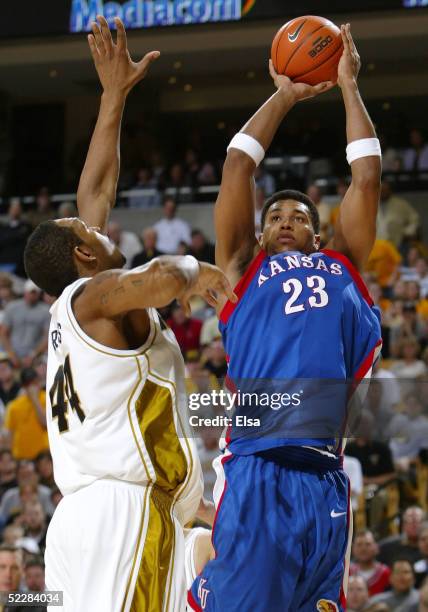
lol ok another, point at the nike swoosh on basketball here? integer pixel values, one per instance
(293, 37)
(335, 514)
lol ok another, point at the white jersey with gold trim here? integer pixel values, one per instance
(114, 414)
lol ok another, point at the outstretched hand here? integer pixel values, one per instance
(350, 62)
(299, 91)
(116, 70)
(211, 284)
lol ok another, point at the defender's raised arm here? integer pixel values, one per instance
(118, 75)
(355, 230)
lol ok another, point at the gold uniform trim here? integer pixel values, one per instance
(151, 585)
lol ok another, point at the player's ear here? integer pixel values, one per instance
(84, 254)
(260, 240)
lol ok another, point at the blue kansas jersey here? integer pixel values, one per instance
(304, 330)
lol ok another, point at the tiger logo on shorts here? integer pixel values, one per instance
(326, 605)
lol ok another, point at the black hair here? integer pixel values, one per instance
(35, 562)
(298, 196)
(48, 257)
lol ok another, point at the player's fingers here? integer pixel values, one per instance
(93, 47)
(98, 38)
(147, 60)
(226, 288)
(106, 34)
(121, 34)
(322, 87)
(350, 39)
(344, 38)
(272, 70)
(184, 303)
(210, 299)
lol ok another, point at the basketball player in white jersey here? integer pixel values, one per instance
(130, 476)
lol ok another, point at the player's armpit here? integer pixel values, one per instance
(234, 210)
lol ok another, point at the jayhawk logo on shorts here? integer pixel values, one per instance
(326, 605)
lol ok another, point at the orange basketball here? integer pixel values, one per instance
(307, 50)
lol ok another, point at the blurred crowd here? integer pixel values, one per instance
(387, 457)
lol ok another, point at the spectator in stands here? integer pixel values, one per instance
(40, 364)
(149, 252)
(374, 456)
(414, 296)
(9, 386)
(192, 167)
(264, 180)
(176, 178)
(409, 366)
(376, 463)
(6, 292)
(24, 332)
(324, 211)
(408, 431)
(209, 331)
(364, 552)
(44, 210)
(11, 534)
(67, 210)
(147, 183)
(8, 467)
(171, 230)
(391, 160)
(201, 248)
(186, 329)
(422, 606)
(408, 269)
(358, 594)
(421, 567)
(26, 418)
(216, 359)
(397, 219)
(383, 263)
(422, 272)
(386, 397)
(27, 478)
(34, 573)
(402, 594)
(14, 232)
(34, 523)
(44, 468)
(405, 545)
(207, 175)
(415, 158)
(127, 242)
(10, 568)
(207, 445)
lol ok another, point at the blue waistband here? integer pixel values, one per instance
(304, 459)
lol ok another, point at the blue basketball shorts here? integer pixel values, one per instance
(282, 540)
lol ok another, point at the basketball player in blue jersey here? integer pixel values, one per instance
(283, 524)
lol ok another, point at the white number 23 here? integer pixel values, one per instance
(319, 299)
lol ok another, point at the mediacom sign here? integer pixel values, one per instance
(155, 13)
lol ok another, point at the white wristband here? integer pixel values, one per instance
(190, 267)
(363, 148)
(248, 145)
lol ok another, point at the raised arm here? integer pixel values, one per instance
(110, 294)
(355, 230)
(118, 74)
(234, 209)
